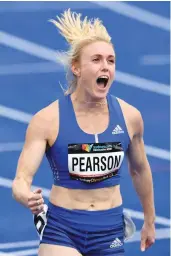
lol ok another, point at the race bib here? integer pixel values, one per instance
(94, 162)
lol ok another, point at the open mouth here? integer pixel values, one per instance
(102, 81)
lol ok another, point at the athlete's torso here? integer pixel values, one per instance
(88, 161)
(74, 141)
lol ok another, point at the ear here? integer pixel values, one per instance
(76, 69)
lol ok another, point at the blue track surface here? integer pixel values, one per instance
(31, 92)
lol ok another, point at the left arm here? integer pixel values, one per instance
(142, 179)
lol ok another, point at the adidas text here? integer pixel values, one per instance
(117, 130)
(116, 243)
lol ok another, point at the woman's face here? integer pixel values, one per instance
(96, 69)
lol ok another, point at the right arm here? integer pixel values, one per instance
(29, 161)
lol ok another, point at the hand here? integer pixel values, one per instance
(36, 201)
(147, 236)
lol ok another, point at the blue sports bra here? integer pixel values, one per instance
(85, 161)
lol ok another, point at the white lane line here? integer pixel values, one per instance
(157, 152)
(24, 252)
(139, 215)
(23, 117)
(41, 6)
(162, 233)
(137, 13)
(20, 244)
(6, 254)
(11, 146)
(156, 60)
(28, 47)
(142, 83)
(29, 68)
(7, 183)
(60, 58)
(15, 114)
(4, 182)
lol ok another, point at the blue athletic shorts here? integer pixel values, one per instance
(92, 233)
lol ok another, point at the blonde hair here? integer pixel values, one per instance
(79, 33)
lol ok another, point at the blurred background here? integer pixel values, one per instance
(29, 80)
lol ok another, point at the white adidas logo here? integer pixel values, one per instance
(117, 130)
(116, 243)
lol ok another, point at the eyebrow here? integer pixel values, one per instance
(99, 55)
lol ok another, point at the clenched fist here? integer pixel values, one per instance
(36, 201)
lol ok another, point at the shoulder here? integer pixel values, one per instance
(129, 110)
(132, 117)
(47, 113)
(42, 120)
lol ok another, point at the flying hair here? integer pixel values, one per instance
(75, 30)
(78, 33)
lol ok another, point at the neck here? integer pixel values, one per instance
(88, 103)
